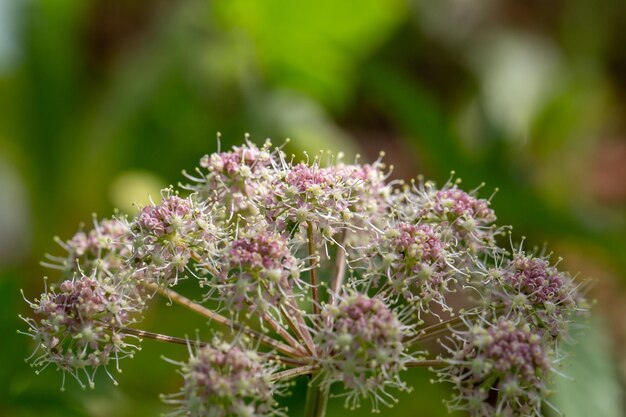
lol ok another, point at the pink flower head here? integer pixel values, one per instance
(223, 379)
(506, 359)
(457, 203)
(79, 325)
(362, 345)
(165, 217)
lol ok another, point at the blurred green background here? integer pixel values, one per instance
(103, 102)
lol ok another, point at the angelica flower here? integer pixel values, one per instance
(414, 261)
(169, 235)
(546, 296)
(101, 250)
(79, 327)
(257, 271)
(361, 345)
(470, 219)
(319, 268)
(223, 379)
(499, 370)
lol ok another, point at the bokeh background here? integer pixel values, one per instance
(103, 102)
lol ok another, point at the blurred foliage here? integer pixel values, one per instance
(592, 372)
(103, 102)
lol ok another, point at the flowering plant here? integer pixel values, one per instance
(318, 268)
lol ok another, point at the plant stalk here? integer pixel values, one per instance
(293, 372)
(313, 271)
(340, 267)
(316, 399)
(291, 351)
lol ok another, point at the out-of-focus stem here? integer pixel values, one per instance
(434, 330)
(313, 271)
(158, 336)
(299, 363)
(282, 332)
(437, 329)
(316, 399)
(294, 372)
(296, 362)
(426, 363)
(340, 268)
(299, 327)
(293, 351)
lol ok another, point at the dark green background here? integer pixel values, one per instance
(103, 102)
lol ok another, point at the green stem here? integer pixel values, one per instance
(313, 270)
(293, 372)
(316, 399)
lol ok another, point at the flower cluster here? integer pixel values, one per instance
(168, 235)
(325, 269)
(469, 220)
(530, 286)
(102, 250)
(414, 262)
(223, 379)
(257, 272)
(304, 195)
(82, 326)
(369, 188)
(499, 370)
(232, 178)
(361, 345)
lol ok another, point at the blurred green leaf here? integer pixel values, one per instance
(594, 388)
(313, 47)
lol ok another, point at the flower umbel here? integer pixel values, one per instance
(312, 268)
(223, 379)
(80, 327)
(257, 272)
(500, 370)
(361, 345)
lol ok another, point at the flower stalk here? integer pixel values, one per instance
(313, 268)
(293, 350)
(316, 399)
